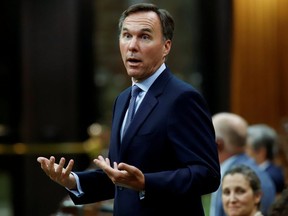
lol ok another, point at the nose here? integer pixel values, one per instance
(232, 197)
(133, 44)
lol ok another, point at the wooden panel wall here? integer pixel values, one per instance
(259, 71)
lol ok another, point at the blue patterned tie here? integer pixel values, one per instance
(132, 106)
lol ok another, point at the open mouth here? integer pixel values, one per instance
(133, 60)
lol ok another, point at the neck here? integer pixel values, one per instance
(256, 212)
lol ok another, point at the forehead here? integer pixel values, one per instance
(142, 20)
(235, 180)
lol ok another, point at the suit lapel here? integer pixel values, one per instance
(121, 105)
(145, 108)
(147, 105)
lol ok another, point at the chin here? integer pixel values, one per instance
(133, 73)
(233, 213)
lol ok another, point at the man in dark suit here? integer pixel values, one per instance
(231, 137)
(167, 157)
(262, 147)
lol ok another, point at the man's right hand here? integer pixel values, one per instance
(57, 172)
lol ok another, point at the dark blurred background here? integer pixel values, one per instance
(60, 70)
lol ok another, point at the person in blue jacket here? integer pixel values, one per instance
(262, 146)
(167, 157)
(231, 137)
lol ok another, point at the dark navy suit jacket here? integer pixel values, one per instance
(171, 140)
(277, 175)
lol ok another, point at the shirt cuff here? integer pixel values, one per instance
(142, 194)
(78, 192)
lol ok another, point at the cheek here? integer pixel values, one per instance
(155, 51)
(247, 200)
(121, 48)
(225, 200)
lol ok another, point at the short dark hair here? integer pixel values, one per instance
(263, 136)
(165, 17)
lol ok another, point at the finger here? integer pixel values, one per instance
(126, 168)
(59, 168)
(51, 168)
(101, 161)
(41, 159)
(107, 161)
(44, 164)
(51, 164)
(115, 166)
(98, 161)
(101, 158)
(69, 168)
(105, 166)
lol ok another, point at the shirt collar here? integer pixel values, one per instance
(146, 84)
(264, 165)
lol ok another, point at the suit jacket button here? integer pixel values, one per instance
(120, 188)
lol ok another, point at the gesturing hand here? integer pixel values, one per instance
(122, 174)
(57, 172)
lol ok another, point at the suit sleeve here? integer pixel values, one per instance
(191, 133)
(96, 187)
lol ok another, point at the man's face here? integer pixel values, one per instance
(256, 154)
(142, 46)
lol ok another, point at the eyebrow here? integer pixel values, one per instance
(142, 30)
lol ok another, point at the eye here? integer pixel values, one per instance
(226, 192)
(240, 191)
(145, 37)
(126, 35)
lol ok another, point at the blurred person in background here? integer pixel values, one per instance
(280, 206)
(231, 137)
(167, 157)
(262, 146)
(241, 192)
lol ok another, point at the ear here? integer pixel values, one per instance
(167, 47)
(257, 197)
(220, 144)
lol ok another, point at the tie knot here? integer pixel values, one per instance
(135, 91)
